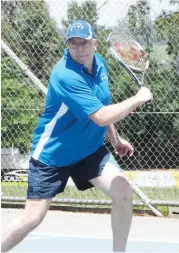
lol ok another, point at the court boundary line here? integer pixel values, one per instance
(43, 235)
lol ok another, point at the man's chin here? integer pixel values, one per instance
(81, 60)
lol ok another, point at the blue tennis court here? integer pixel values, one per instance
(86, 232)
(59, 243)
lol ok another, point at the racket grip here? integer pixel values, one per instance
(149, 105)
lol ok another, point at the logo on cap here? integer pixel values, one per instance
(76, 25)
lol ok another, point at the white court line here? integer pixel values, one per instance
(37, 238)
(44, 235)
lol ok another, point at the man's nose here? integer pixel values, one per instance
(80, 48)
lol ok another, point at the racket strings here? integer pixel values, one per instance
(129, 51)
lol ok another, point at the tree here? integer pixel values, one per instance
(20, 106)
(167, 26)
(86, 11)
(30, 32)
(140, 24)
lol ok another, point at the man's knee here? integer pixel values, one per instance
(121, 190)
(32, 221)
(35, 212)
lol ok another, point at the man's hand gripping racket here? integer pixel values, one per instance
(134, 60)
(131, 56)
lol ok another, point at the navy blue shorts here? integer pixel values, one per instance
(45, 181)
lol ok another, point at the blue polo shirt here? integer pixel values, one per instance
(65, 134)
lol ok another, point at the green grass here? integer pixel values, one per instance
(14, 189)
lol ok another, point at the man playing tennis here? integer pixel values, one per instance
(69, 138)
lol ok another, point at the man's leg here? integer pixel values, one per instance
(114, 185)
(32, 216)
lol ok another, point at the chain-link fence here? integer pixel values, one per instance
(34, 31)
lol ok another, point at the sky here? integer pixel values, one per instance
(110, 13)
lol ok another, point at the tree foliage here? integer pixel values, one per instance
(140, 24)
(87, 11)
(167, 26)
(30, 32)
(20, 107)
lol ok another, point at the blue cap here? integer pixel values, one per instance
(80, 29)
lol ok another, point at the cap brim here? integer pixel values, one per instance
(82, 36)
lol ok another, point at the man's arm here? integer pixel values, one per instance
(113, 113)
(113, 134)
(121, 146)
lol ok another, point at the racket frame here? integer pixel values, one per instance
(130, 69)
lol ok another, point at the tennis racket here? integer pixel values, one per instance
(129, 54)
(134, 60)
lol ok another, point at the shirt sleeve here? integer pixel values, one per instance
(77, 96)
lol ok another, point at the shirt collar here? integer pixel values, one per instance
(97, 65)
(71, 62)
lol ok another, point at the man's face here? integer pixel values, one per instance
(82, 50)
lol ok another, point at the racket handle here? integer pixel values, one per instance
(149, 105)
